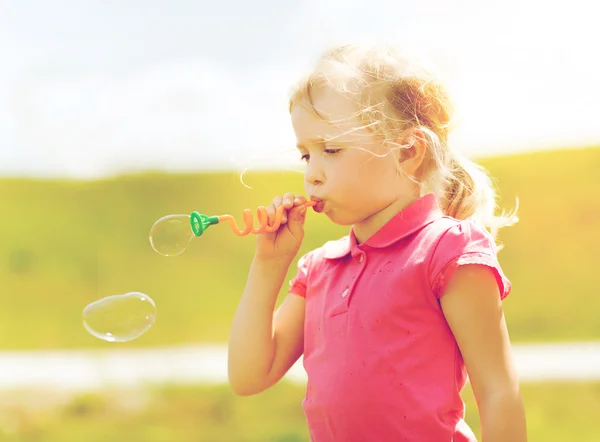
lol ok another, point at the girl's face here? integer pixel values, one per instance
(347, 167)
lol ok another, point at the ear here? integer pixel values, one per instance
(411, 158)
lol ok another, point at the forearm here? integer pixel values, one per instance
(251, 343)
(503, 418)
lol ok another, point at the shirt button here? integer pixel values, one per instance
(361, 258)
(345, 293)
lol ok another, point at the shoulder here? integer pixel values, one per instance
(310, 262)
(330, 249)
(463, 242)
(450, 235)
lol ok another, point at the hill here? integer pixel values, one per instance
(64, 244)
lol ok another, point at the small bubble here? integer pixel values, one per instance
(120, 318)
(171, 234)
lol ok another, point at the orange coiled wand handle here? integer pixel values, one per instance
(263, 220)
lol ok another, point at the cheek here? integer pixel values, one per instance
(365, 176)
(370, 184)
(382, 171)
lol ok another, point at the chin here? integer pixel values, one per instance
(340, 220)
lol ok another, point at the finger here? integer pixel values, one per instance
(270, 212)
(299, 199)
(288, 200)
(272, 209)
(277, 201)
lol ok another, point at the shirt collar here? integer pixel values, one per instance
(412, 218)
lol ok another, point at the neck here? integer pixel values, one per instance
(364, 229)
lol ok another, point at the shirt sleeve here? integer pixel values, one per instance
(465, 243)
(298, 283)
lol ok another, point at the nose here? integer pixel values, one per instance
(313, 174)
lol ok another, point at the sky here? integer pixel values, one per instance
(97, 88)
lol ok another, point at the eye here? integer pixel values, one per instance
(327, 151)
(331, 151)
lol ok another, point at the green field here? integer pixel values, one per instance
(64, 244)
(556, 413)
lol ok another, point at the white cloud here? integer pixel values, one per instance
(167, 116)
(521, 73)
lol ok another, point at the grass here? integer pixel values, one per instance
(555, 412)
(64, 244)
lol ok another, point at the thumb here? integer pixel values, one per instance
(296, 217)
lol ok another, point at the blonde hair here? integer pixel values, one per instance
(395, 94)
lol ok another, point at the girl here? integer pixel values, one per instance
(392, 317)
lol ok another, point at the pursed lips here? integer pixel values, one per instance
(320, 203)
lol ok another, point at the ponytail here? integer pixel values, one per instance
(469, 194)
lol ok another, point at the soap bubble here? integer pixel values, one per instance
(171, 234)
(120, 318)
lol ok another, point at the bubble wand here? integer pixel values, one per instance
(171, 234)
(122, 318)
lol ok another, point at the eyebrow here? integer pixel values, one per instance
(313, 140)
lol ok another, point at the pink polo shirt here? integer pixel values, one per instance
(381, 360)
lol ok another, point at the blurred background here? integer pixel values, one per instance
(115, 114)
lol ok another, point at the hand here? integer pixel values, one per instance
(285, 242)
